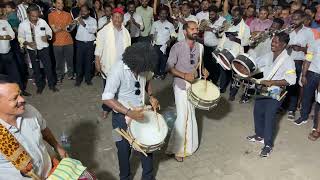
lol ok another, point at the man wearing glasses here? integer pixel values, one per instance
(182, 63)
(125, 91)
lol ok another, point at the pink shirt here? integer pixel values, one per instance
(259, 25)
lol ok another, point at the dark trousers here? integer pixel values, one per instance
(21, 63)
(105, 107)
(84, 62)
(293, 91)
(308, 93)
(44, 57)
(211, 64)
(162, 61)
(316, 115)
(134, 40)
(225, 78)
(9, 67)
(265, 111)
(63, 55)
(124, 153)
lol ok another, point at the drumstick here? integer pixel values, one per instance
(283, 95)
(134, 144)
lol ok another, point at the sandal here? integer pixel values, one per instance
(178, 159)
(314, 135)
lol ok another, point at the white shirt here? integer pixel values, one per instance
(22, 11)
(40, 29)
(133, 29)
(301, 38)
(313, 56)
(5, 29)
(180, 31)
(243, 28)
(87, 33)
(286, 71)
(28, 134)
(210, 38)
(103, 21)
(202, 15)
(120, 85)
(261, 49)
(162, 31)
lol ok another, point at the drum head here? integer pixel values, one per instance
(205, 90)
(226, 58)
(243, 65)
(240, 69)
(146, 131)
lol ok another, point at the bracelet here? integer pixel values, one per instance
(127, 112)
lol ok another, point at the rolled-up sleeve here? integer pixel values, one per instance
(173, 58)
(112, 84)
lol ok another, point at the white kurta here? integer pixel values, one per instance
(184, 136)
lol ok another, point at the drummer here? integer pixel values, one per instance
(182, 64)
(234, 41)
(124, 93)
(278, 71)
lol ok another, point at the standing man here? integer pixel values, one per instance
(111, 42)
(163, 34)
(180, 21)
(262, 23)
(183, 61)
(87, 27)
(204, 13)
(34, 34)
(146, 12)
(310, 81)
(126, 87)
(211, 41)
(62, 40)
(300, 38)
(133, 22)
(104, 20)
(235, 43)
(278, 72)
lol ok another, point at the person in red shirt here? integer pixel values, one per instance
(62, 40)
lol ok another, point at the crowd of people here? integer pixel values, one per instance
(121, 41)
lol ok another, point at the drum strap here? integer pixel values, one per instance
(281, 58)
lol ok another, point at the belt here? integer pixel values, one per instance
(298, 61)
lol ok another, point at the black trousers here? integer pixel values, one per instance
(162, 61)
(9, 67)
(84, 62)
(211, 64)
(43, 56)
(19, 57)
(225, 78)
(124, 153)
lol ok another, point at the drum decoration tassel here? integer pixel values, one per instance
(135, 146)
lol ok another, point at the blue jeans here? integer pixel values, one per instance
(308, 93)
(124, 152)
(265, 111)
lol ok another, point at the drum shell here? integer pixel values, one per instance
(226, 57)
(246, 62)
(201, 103)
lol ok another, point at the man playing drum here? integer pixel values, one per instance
(124, 93)
(183, 63)
(278, 71)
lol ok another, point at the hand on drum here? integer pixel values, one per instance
(62, 153)
(154, 103)
(136, 114)
(267, 83)
(189, 77)
(205, 73)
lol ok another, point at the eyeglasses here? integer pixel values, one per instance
(137, 85)
(191, 59)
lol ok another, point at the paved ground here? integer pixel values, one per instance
(223, 154)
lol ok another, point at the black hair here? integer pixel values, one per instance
(278, 21)
(187, 4)
(213, 8)
(238, 9)
(312, 9)
(263, 8)
(283, 37)
(107, 5)
(252, 6)
(33, 7)
(5, 79)
(299, 12)
(131, 3)
(140, 57)
(86, 6)
(164, 8)
(11, 4)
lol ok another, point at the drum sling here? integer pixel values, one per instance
(14, 152)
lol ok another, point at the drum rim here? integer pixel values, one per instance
(247, 57)
(209, 82)
(221, 53)
(238, 72)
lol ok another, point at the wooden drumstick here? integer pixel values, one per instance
(128, 138)
(283, 96)
(33, 175)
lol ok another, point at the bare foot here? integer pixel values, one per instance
(105, 114)
(179, 159)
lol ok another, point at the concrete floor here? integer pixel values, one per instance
(223, 153)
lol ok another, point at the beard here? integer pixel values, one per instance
(193, 36)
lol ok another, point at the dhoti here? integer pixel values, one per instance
(184, 136)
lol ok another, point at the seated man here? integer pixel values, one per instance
(21, 125)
